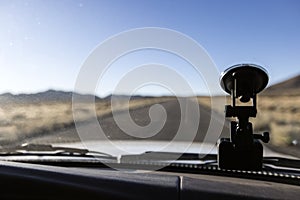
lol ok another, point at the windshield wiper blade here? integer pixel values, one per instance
(282, 162)
(181, 156)
(47, 149)
(159, 156)
(206, 159)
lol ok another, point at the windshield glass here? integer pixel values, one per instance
(125, 77)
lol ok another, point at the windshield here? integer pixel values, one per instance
(126, 77)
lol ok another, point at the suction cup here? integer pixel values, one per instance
(246, 79)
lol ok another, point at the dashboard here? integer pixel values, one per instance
(35, 181)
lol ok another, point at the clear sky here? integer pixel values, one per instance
(44, 43)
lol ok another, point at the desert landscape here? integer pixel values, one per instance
(28, 118)
(33, 115)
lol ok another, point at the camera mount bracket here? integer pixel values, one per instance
(242, 150)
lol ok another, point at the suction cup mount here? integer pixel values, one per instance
(246, 80)
(243, 149)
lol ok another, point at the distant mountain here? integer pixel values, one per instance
(287, 87)
(47, 96)
(56, 96)
(121, 97)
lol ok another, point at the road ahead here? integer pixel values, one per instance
(140, 116)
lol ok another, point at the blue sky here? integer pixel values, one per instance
(44, 43)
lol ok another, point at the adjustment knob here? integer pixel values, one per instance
(265, 137)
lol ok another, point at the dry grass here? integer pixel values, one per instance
(280, 115)
(19, 121)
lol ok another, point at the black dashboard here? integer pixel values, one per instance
(35, 181)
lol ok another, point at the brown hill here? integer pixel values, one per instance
(41, 97)
(287, 87)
